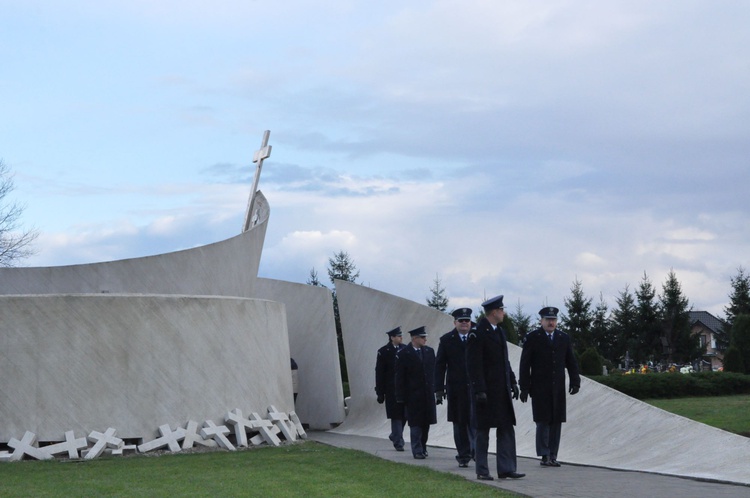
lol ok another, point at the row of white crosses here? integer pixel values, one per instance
(259, 430)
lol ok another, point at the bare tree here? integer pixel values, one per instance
(15, 244)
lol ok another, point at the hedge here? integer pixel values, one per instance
(677, 385)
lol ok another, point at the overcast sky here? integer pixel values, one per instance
(507, 147)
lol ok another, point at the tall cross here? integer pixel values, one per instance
(264, 152)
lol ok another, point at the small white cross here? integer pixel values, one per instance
(192, 437)
(71, 445)
(26, 447)
(217, 433)
(168, 438)
(102, 441)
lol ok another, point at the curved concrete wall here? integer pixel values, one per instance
(89, 362)
(226, 268)
(605, 428)
(312, 341)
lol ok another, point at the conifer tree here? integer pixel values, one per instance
(675, 315)
(577, 322)
(437, 299)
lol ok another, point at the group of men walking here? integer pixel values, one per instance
(472, 372)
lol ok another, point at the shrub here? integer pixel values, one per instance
(733, 361)
(590, 362)
(674, 385)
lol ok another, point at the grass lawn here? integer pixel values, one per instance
(725, 412)
(303, 469)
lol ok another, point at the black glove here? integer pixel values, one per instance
(441, 393)
(381, 398)
(438, 399)
(573, 389)
(524, 396)
(481, 398)
(514, 388)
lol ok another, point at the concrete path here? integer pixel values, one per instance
(567, 481)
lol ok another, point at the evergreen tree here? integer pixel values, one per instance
(648, 325)
(578, 321)
(438, 299)
(522, 323)
(313, 279)
(739, 303)
(600, 334)
(624, 336)
(341, 267)
(675, 316)
(733, 361)
(741, 338)
(511, 335)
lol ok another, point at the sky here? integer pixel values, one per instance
(501, 147)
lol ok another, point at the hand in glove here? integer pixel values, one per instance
(573, 389)
(438, 398)
(481, 398)
(514, 388)
(524, 396)
(381, 398)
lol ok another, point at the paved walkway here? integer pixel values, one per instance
(566, 481)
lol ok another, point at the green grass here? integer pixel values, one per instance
(725, 412)
(304, 469)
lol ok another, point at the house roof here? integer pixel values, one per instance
(706, 319)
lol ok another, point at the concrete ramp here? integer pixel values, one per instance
(605, 427)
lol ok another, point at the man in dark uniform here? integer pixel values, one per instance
(415, 374)
(494, 386)
(547, 353)
(451, 360)
(385, 386)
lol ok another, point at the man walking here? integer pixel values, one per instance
(547, 353)
(494, 386)
(385, 386)
(415, 373)
(451, 375)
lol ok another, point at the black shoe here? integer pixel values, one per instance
(399, 448)
(463, 464)
(546, 462)
(419, 456)
(485, 477)
(512, 475)
(554, 463)
(425, 453)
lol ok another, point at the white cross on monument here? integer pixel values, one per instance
(263, 153)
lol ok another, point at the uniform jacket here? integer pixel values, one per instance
(490, 372)
(385, 379)
(542, 373)
(415, 384)
(452, 376)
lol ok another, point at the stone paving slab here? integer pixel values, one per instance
(567, 481)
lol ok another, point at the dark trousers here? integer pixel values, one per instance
(418, 435)
(506, 450)
(464, 436)
(548, 439)
(397, 433)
